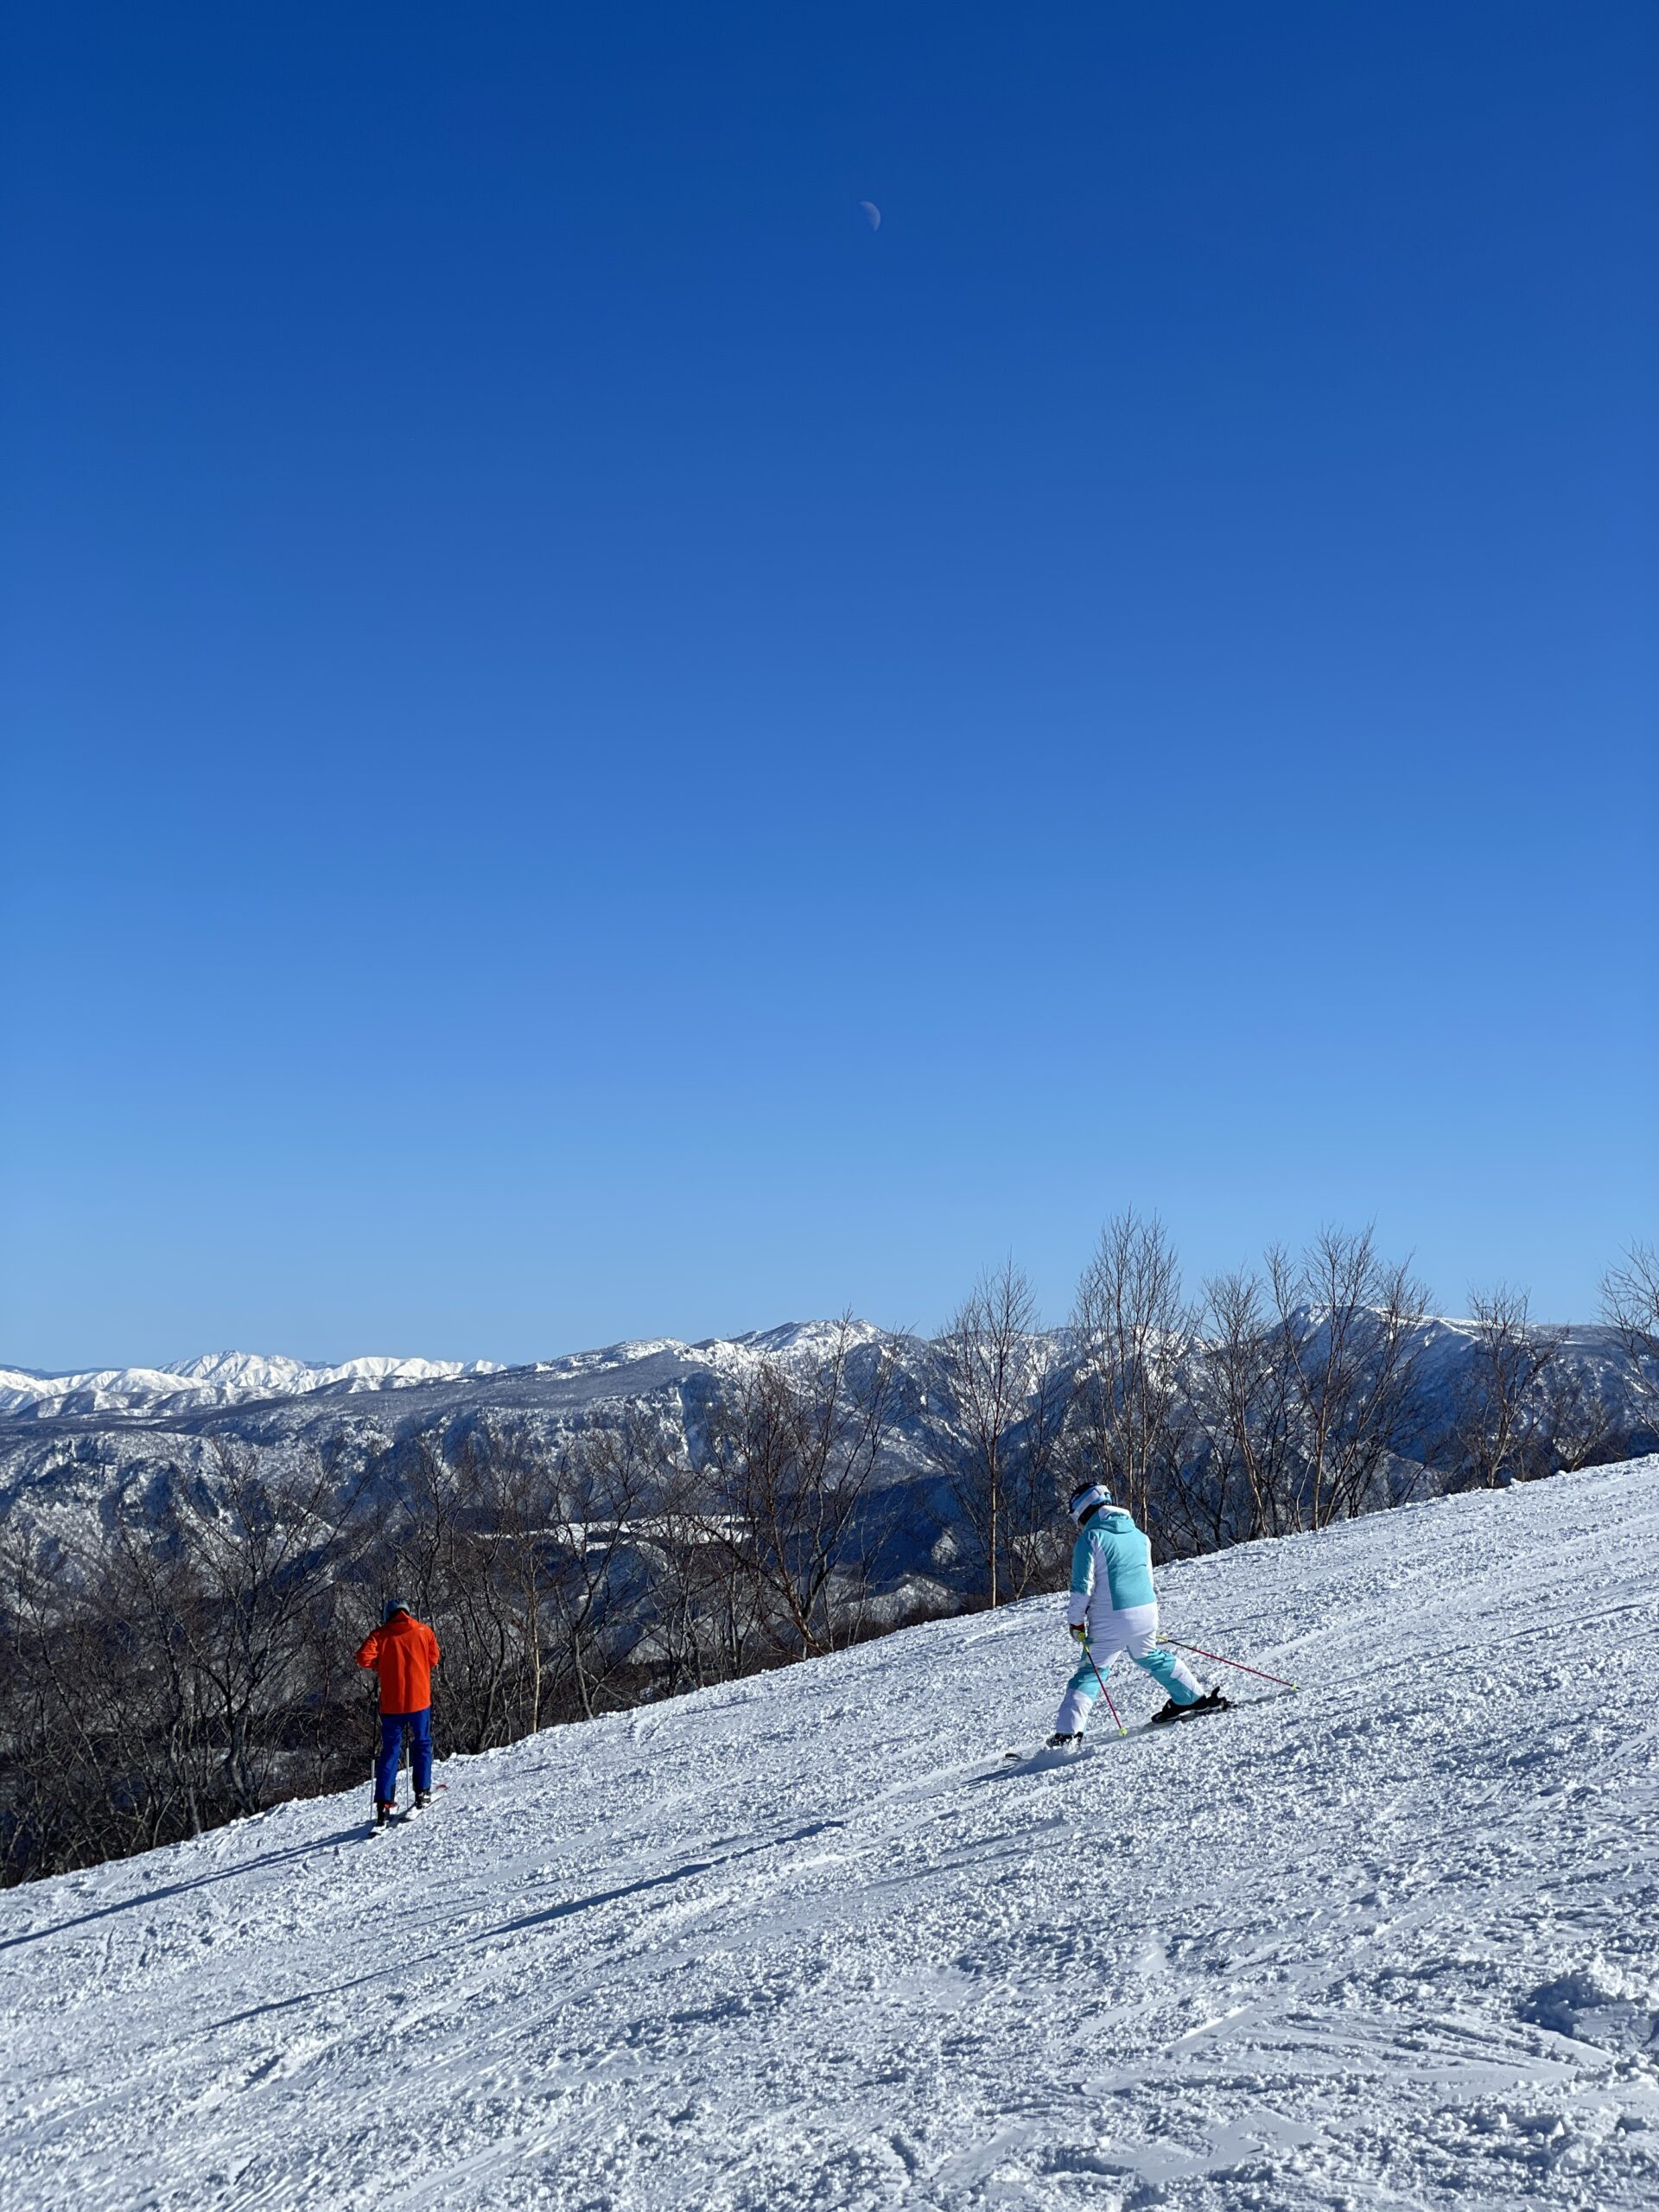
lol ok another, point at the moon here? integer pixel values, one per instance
(872, 213)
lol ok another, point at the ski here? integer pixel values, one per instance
(1050, 1755)
(1043, 1757)
(1171, 1715)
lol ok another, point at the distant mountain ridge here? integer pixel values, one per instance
(117, 1438)
(219, 1378)
(231, 1378)
(75, 1444)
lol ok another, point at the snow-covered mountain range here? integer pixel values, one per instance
(217, 1378)
(807, 1942)
(224, 1379)
(70, 1444)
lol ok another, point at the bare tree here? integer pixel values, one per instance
(147, 1604)
(596, 1575)
(1629, 1305)
(422, 1527)
(458, 1541)
(792, 1458)
(511, 1517)
(708, 1600)
(1037, 1545)
(1582, 1424)
(523, 1553)
(1503, 1427)
(994, 1437)
(1346, 1328)
(254, 1539)
(1131, 1327)
(63, 1798)
(1234, 1486)
(161, 1678)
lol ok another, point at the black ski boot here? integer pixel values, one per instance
(383, 1809)
(1211, 1701)
(1064, 1743)
(423, 1799)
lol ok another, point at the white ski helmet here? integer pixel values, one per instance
(1087, 1500)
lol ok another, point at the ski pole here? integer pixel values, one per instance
(1104, 1692)
(1198, 1652)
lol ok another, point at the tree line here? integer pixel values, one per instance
(190, 1660)
(1312, 1388)
(194, 1660)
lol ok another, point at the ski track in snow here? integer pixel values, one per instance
(807, 1940)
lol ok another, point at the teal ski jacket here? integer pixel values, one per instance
(1111, 1564)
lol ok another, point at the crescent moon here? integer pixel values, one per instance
(872, 213)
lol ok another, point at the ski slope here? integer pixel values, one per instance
(808, 1941)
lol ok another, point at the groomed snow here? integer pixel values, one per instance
(808, 1941)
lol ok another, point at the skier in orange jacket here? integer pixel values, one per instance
(403, 1652)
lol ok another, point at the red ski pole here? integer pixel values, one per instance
(1104, 1692)
(1198, 1652)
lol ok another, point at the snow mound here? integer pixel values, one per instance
(1599, 2004)
(808, 1941)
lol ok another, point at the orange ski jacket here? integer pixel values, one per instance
(404, 1654)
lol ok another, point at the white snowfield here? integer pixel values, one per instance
(808, 1941)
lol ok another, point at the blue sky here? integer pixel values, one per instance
(597, 748)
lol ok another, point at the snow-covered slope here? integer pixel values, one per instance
(807, 1940)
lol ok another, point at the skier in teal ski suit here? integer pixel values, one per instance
(1113, 1608)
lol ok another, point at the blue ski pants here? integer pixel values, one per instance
(392, 1725)
(1133, 1631)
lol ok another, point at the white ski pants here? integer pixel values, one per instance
(1133, 1632)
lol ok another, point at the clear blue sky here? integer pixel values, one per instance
(597, 747)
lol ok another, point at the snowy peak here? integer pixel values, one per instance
(249, 1371)
(105, 1390)
(220, 1378)
(230, 1378)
